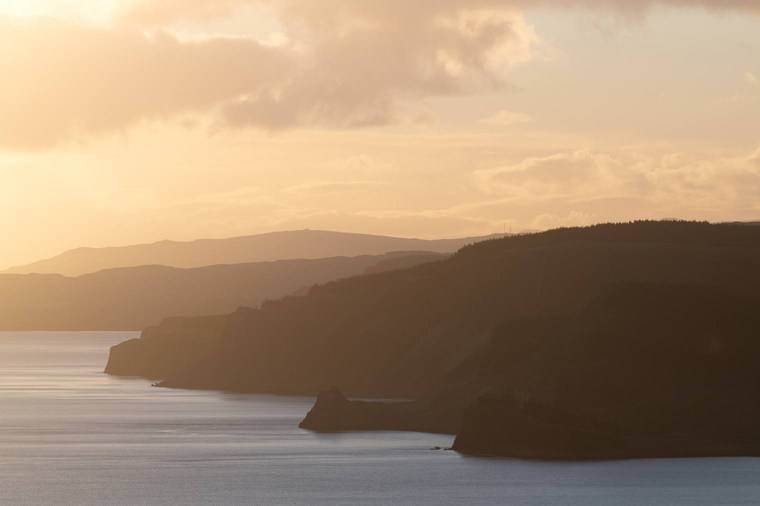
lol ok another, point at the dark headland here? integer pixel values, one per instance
(613, 341)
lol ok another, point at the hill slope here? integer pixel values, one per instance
(399, 333)
(300, 244)
(135, 297)
(608, 341)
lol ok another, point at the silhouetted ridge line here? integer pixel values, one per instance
(133, 298)
(295, 245)
(671, 232)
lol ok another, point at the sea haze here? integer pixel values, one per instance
(70, 434)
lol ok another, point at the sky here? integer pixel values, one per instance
(130, 121)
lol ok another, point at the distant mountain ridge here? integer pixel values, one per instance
(132, 298)
(288, 245)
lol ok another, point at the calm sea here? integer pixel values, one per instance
(72, 435)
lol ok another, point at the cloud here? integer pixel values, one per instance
(64, 81)
(505, 118)
(751, 79)
(337, 63)
(754, 159)
(568, 175)
(163, 11)
(334, 188)
(345, 64)
(705, 185)
(359, 59)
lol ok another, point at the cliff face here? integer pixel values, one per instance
(611, 341)
(643, 371)
(151, 355)
(499, 427)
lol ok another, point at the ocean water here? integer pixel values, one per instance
(69, 435)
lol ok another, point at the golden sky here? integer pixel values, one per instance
(126, 121)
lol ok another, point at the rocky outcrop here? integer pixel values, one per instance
(333, 412)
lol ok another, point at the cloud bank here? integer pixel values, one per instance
(66, 81)
(636, 184)
(346, 63)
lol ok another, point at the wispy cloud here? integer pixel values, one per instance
(153, 12)
(505, 118)
(710, 184)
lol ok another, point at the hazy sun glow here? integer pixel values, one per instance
(25, 7)
(91, 11)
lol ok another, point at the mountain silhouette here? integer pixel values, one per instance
(133, 298)
(299, 244)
